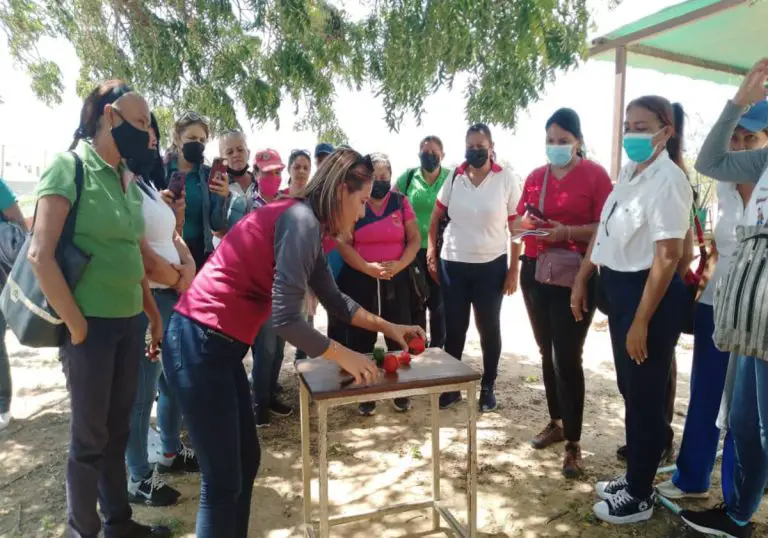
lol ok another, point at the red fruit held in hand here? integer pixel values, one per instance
(391, 364)
(416, 345)
(404, 358)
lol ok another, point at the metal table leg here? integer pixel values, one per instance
(322, 417)
(472, 461)
(435, 416)
(306, 460)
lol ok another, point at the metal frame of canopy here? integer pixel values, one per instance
(625, 43)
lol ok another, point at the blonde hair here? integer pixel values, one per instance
(343, 167)
(187, 120)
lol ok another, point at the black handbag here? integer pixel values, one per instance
(23, 303)
(416, 275)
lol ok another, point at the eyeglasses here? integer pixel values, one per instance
(191, 116)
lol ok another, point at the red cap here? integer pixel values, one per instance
(268, 160)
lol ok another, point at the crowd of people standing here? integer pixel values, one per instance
(194, 265)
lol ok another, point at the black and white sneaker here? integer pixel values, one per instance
(367, 409)
(606, 490)
(487, 401)
(622, 508)
(716, 522)
(449, 399)
(401, 405)
(280, 409)
(184, 461)
(152, 491)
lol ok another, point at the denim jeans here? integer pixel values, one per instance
(643, 386)
(748, 424)
(268, 351)
(6, 387)
(205, 372)
(101, 375)
(479, 286)
(696, 458)
(168, 410)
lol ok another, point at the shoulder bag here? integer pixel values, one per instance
(25, 307)
(556, 266)
(692, 279)
(416, 276)
(741, 302)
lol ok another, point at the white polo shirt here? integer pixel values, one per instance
(477, 232)
(653, 206)
(730, 212)
(159, 226)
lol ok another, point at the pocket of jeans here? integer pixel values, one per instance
(172, 355)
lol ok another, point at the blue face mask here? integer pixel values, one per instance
(639, 146)
(560, 156)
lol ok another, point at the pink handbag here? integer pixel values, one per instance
(556, 266)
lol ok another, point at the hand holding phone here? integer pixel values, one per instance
(219, 166)
(176, 184)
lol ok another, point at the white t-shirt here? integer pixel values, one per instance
(477, 232)
(756, 212)
(730, 212)
(653, 206)
(159, 226)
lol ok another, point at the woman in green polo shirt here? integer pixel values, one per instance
(206, 198)
(420, 186)
(101, 354)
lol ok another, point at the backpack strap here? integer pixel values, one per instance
(450, 193)
(68, 231)
(409, 180)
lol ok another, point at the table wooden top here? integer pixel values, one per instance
(433, 368)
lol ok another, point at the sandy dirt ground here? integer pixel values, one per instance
(374, 461)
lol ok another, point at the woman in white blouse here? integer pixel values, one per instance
(701, 436)
(480, 199)
(638, 246)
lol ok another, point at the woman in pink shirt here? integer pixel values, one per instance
(565, 197)
(375, 274)
(264, 266)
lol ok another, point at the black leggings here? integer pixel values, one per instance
(561, 341)
(395, 307)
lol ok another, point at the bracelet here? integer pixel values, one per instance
(332, 351)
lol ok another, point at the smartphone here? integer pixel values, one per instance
(176, 183)
(534, 211)
(219, 165)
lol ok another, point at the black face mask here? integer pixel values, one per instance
(429, 161)
(145, 169)
(477, 157)
(133, 145)
(237, 173)
(380, 189)
(193, 152)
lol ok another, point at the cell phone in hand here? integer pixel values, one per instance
(534, 212)
(219, 165)
(176, 184)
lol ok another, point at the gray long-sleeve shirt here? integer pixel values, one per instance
(717, 162)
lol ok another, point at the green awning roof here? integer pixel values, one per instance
(715, 40)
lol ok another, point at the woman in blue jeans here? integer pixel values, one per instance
(264, 266)
(747, 397)
(170, 269)
(696, 459)
(480, 199)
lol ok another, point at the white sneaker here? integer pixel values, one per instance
(607, 489)
(5, 420)
(669, 490)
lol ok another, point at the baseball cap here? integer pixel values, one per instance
(268, 160)
(323, 149)
(756, 118)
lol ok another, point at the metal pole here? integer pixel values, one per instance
(306, 459)
(620, 87)
(435, 412)
(322, 417)
(472, 461)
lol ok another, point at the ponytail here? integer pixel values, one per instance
(104, 94)
(675, 143)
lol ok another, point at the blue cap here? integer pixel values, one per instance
(756, 118)
(323, 149)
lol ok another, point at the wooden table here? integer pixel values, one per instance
(432, 372)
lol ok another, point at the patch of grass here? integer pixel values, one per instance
(172, 523)
(532, 379)
(416, 452)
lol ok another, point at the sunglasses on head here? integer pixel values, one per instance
(300, 153)
(194, 117)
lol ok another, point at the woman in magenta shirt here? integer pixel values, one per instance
(573, 198)
(375, 274)
(264, 266)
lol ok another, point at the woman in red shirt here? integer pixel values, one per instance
(264, 266)
(564, 197)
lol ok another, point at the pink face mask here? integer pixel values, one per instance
(269, 186)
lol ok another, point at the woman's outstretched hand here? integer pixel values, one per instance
(402, 333)
(362, 368)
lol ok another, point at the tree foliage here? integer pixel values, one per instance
(215, 55)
